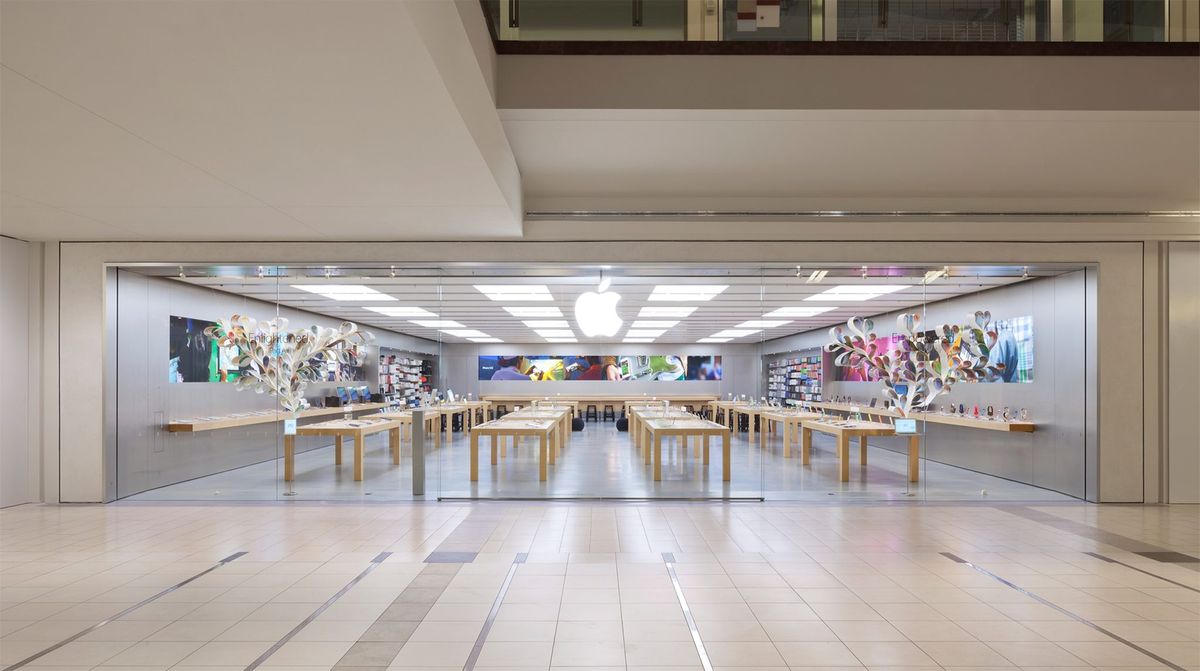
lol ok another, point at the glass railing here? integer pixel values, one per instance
(784, 21)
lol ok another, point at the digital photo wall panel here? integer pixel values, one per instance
(194, 357)
(609, 367)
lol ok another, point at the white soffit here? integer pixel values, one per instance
(251, 120)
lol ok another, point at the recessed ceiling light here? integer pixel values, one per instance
(402, 311)
(652, 324)
(465, 333)
(532, 311)
(548, 324)
(714, 340)
(686, 292)
(734, 333)
(561, 340)
(555, 333)
(515, 292)
(856, 292)
(345, 292)
(799, 311)
(485, 340)
(762, 323)
(644, 333)
(638, 340)
(664, 311)
(436, 323)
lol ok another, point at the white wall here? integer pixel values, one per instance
(1183, 372)
(19, 400)
(740, 363)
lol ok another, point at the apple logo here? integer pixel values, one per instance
(596, 313)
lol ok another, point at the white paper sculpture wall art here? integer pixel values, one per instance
(922, 365)
(281, 362)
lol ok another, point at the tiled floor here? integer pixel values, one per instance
(588, 587)
(602, 462)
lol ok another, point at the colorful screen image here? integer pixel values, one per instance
(704, 368)
(194, 357)
(652, 367)
(607, 367)
(1014, 348)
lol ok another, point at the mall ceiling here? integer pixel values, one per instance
(783, 300)
(308, 120)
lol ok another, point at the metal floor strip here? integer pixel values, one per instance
(1165, 662)
(473, 658)
(1110, 560)
(379, 559)
(125, 612)
(669, 558)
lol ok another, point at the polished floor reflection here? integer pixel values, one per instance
(600, 462)
(598, 586)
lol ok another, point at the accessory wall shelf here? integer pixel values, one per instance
(796, 377)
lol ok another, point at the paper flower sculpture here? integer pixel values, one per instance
(923, 364)
(276, 361)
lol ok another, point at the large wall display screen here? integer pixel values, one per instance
(194, 357)
(1014, 349)
(559, 367)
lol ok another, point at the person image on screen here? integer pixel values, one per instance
(509, 368)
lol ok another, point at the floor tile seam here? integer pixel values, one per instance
(223, 562)
(1068, 613)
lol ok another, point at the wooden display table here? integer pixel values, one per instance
(790, 419)
(637, 414)
(358, 429)
(563, 414)
(263, 417)
(718, 405)
(480, 407)
(523, 401)
(934, 418)
(545, 428)
(658, 427)
(861, 430)
(405, 418)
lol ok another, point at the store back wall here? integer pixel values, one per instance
(740, 374)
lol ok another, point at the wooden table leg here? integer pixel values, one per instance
(843, 448)
(706, 437)
(504, 444)
(862, 450)
(657, 457)
(394, 438)
(359, 439)
(555, 441)
(337, 450)
(914, 458)
(289, 458)
(805, 445)
(448, 420)
(750, 426)
(475, 455)
(725, 470)
(787, 439)
(542, 457)
(762, 435)
(647, 446)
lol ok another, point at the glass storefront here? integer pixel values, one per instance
(713, 382)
